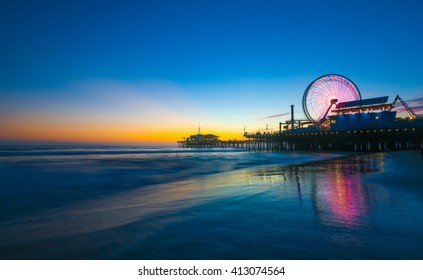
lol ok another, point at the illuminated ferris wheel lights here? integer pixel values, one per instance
(319, 95)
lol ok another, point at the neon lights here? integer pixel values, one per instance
(320, 92)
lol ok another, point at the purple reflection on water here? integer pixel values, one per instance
(342, 199)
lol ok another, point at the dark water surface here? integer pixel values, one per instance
(164, 203)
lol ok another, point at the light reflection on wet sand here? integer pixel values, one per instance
(335, 187)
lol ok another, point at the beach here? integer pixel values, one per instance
(167, 203)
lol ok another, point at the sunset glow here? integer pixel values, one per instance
(152, 72)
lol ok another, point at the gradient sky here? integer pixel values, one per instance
(148, 72)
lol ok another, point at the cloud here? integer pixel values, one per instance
(415, 104)
(416, 100)
(103, 110)
(274, 116)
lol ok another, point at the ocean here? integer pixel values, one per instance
(89, 202)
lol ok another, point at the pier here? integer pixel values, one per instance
(352, 140)
(337, 120)
(365, 140)
(237, 144)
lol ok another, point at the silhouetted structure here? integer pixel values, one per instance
(209, 141)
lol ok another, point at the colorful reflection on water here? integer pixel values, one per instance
(335, 187)
(340, 198)
(210, 206)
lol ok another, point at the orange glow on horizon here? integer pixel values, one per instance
(50, 129)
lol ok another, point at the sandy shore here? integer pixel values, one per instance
(271, 206)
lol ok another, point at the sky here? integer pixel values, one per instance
(151, 72)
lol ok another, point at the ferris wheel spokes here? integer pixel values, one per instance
(318, 96)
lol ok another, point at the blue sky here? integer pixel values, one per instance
(225, 64)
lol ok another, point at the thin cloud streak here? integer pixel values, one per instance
(415, 104)
(274, 116)
(417, 100)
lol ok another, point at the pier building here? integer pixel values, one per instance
(209, 141)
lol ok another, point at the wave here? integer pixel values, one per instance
(69, 150)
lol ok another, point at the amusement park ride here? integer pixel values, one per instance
(329, 97)
(339, 119)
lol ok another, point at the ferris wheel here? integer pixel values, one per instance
(319, 94)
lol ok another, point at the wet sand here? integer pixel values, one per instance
(365, 206)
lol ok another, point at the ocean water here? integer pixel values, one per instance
(70, 202)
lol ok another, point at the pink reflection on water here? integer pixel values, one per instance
(341, 198)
